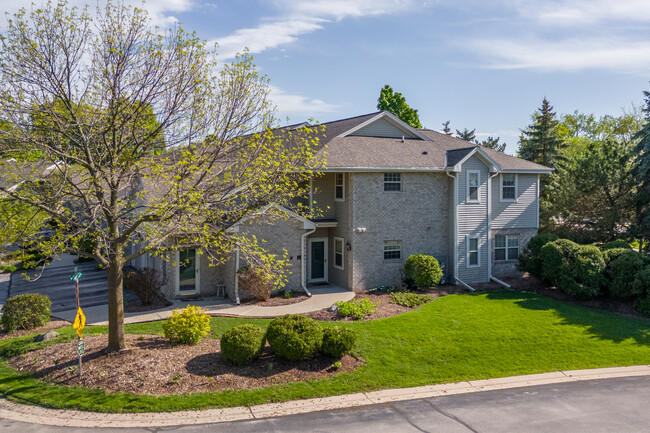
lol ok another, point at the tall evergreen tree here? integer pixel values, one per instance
(540, 141)
(493, 143)
(395, 103)
(467, 135)
(445, 127)
(642, 172)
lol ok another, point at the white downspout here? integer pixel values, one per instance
(455, 222)
(303, 264)
(237, 276)
(489, 225)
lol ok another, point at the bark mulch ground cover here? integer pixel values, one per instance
(151, 365)
(386, 308)
(279, 299)
(54, 324)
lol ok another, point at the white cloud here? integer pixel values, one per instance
(569, 35)
(298, 104)
(296, 18)
(565, 55)
(265, 36)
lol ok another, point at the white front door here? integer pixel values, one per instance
(188, 272)
(317, 260)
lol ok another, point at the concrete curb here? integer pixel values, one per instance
(73, 418)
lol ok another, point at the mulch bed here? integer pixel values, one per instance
(385, 309)
(54, 324)
(159, 303)
(151, 365)
(277, 300)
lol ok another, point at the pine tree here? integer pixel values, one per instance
(642, 172)
(445, 128)
(395, 103)
(467, 135)
(540, 141)
(493, 143)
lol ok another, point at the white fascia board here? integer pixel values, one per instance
(394, 119)
(492, 165)
(528, 170)
(306, 224)
(380, 169)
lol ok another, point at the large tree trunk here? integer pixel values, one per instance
(115, 307)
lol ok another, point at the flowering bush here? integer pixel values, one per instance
(187, 326)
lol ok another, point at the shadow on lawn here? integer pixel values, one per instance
(602, 324)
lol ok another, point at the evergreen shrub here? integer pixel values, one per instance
(26, 311)
(338, 341)
(243, 344)
(294, 337)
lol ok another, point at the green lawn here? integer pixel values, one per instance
(454, 338)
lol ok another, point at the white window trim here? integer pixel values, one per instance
(508, 200)
(342, 186)
(383, 250)
(478, 251)
(401, 186)
(337, 239)
(507, 259)
(478, 188)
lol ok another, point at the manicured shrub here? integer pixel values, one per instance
(338, 341)
(423, 270)
(145, 283)
(294, 337)
(641, 283)
(576, 270)
(531, 261)
(356, 308)
(187, 326)
(616, 244)
(621, 272)
(409, 299)
(254, 284)
(613, 253)
(243, 344)
(26, 311)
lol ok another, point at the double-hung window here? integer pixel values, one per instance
(473, 258)
(338, 253)
(506, 247)
(392, 250)
(508, 187)
(473, 182)
(392, 182)
(339, 186)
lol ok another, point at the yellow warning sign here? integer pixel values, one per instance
(79, 323)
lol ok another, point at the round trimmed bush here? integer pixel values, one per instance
(294, 337)
(616, 244)
(641, 283)
(530, 260)
(621, 272)
(576, 270)
(423, 270)
(26, 311)
(243, 344)
(338, 341)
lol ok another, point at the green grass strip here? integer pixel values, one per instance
(454, 338)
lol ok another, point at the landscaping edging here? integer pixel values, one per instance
(73, 418)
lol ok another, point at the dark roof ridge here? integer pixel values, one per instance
(351, 118)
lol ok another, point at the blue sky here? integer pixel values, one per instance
(480, 64)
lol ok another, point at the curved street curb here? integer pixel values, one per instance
(74, 418)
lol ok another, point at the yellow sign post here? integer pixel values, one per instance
(79, 322)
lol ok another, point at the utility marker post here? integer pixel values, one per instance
(79, 320)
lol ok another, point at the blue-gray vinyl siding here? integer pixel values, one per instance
(472, 222)
(519, 214)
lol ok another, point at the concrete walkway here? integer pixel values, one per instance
(73, 418)
(322, 297)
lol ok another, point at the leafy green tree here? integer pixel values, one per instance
(540, 142)
(395, 103)
(642, 172)
(591, 195)
(96, 96)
